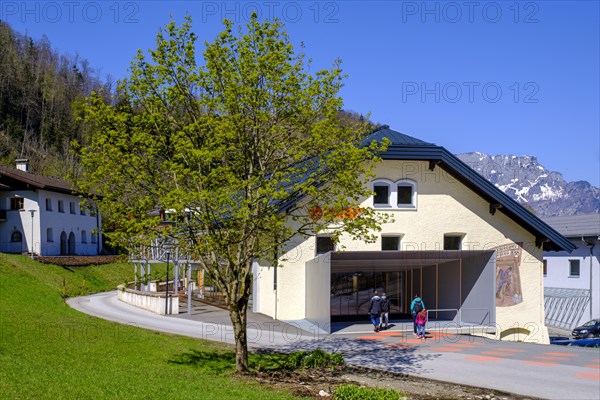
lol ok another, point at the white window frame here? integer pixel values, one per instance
(571, 261)
(383, 182)
(392, 203)
(406, 183)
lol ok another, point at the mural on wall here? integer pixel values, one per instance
(508, 277)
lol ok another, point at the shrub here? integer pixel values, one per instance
(354, 392)
(314, 359)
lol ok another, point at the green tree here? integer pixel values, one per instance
(247, 147)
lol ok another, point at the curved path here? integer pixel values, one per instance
(543, 371)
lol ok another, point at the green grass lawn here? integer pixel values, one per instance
(50, 351)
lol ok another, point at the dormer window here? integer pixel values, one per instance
(401, 194)
(406, 193)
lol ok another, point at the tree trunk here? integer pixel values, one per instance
(237, 313)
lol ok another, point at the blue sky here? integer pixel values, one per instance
(514, 77)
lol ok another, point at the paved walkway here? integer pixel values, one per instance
(543, 371)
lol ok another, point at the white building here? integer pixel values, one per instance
(470, 251)
(44, 216)
(572, 280)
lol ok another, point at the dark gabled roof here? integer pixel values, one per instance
(396, 138)
(576, 225)
(404, 147)
(14, 179)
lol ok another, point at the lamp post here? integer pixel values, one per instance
(167, 287)
(32, 212)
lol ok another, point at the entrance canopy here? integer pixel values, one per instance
(456, 286)
(386, 261)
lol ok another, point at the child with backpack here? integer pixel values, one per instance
(415, 307)
(421, 320)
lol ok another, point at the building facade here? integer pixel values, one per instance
(42, 215)
(472, 253)
(572, 280)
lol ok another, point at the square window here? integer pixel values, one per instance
(405, 195)
(324, 244)
(574, 268)
(382, 194)
(390, 243)
(452, 242)
(17, 203)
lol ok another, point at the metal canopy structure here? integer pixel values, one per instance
(565, 306)
(161, 251)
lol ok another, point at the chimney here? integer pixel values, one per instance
(22, 164)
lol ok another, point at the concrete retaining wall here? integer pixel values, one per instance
(151, 301)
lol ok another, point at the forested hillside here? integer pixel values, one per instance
(40, 95)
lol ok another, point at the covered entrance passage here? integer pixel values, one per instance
(456, 286)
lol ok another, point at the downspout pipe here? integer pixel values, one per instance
(591, 245)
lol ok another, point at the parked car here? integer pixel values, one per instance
(594, 343)
(588, 330)
(560, 340)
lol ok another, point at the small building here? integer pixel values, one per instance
(572, 280)
(470, 251)
(43, 215)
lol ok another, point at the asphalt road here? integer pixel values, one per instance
(543, 371)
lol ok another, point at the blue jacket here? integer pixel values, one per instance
(412, 305)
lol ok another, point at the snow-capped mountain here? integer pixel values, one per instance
(527, 181)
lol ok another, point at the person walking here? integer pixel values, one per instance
(385, 311)
(416, 307)
(375, 310)
(421, 321)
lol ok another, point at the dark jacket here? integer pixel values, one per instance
(375, 305)
(385, 304)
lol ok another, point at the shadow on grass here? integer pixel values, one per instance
(206, 360)
(268, 361)
(221, 362)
